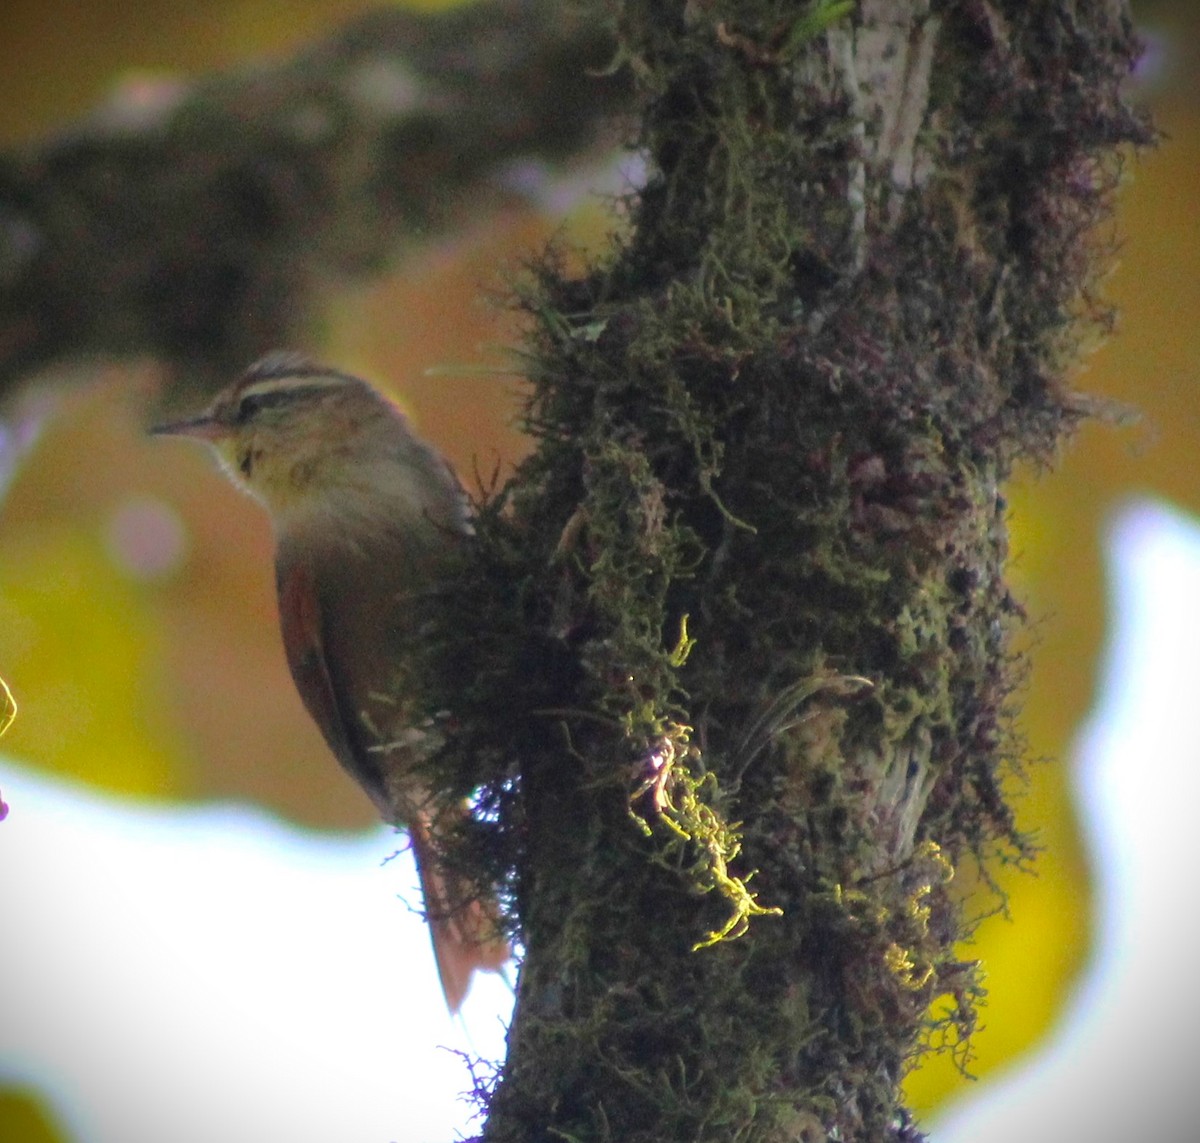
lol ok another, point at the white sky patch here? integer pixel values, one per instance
(210, 974)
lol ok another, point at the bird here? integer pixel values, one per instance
(367, 516)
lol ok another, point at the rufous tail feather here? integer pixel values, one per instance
(464, 929)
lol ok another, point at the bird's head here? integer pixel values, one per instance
(310, 441)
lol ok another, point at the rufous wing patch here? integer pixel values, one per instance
(301, 621)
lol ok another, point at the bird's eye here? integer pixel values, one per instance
(248, 408)
(251, 404)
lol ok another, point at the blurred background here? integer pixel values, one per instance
(138, 634)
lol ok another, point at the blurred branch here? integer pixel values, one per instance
(190, 221)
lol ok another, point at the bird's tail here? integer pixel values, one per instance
(464, 928)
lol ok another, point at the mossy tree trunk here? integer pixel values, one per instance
(753, 578)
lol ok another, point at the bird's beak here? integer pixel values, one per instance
(202, 428)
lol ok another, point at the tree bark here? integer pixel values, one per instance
(756, 707)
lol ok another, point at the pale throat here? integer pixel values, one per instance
(335, 501)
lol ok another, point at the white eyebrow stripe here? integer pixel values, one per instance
(294, 383)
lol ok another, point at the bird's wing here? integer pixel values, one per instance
(302, 622)
(465, 929)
